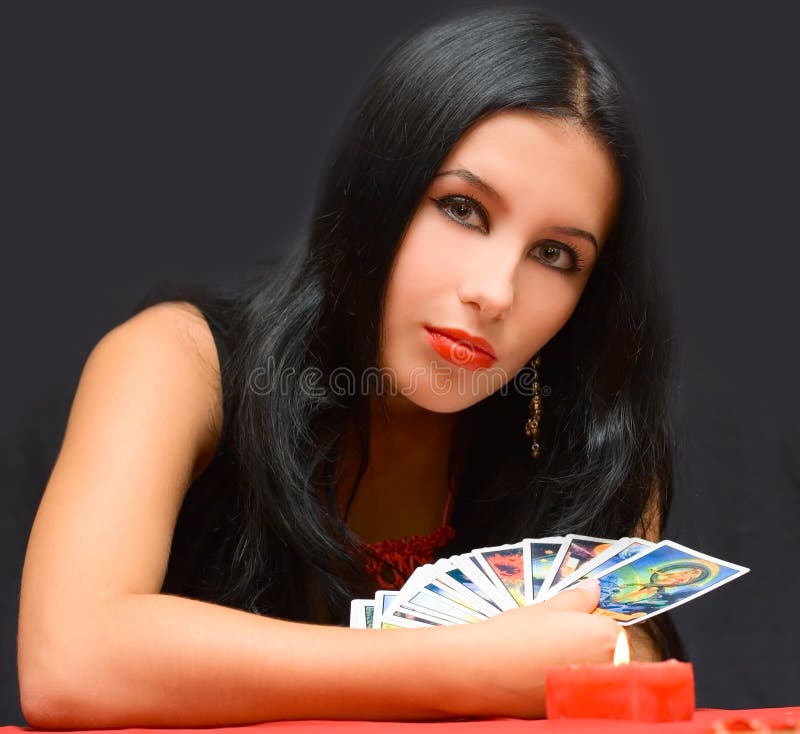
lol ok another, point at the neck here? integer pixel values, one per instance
(404, 489)
(404, 433)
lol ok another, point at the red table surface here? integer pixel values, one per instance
(702, 722)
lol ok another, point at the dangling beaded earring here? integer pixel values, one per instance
(535, 408)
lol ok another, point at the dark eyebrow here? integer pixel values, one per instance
(471, 178)
(575, 232)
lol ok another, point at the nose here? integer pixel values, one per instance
(490, 286)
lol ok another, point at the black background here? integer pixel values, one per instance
(152, 140)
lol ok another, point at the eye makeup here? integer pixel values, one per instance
(448, 203)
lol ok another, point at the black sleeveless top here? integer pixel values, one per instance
(206, 531)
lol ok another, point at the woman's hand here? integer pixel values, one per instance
(506, 656)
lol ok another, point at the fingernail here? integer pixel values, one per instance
(588, 585)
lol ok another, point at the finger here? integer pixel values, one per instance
(582, 597)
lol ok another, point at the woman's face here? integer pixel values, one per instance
(500, 248)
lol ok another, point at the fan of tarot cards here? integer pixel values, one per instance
(638, 579)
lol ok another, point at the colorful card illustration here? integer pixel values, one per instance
(660, 579)
(575, 551)
(538, 557)
(622, 550)
(635, 547)
(504, 565)
(468, 591)
(468, 563)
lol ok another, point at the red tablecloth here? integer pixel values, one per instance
(702, 722)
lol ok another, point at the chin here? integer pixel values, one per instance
(450, 399)
(435, 403)
(444, 389)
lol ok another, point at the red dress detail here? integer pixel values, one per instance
(390, 562)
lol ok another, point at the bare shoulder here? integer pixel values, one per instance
(181, 320)
(177, 335)
(153, 382)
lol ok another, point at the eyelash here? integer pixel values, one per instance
(445, 201)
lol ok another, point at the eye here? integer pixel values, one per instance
(462, 209)
(559, 256)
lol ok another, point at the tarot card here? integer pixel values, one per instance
(361, 613)
(411, 587)
(599, 566)
(405, 614)
(382, 601)
(457, 603)
(422, 593)
(401, 619)
(504, 566)
(466, 572)
(575, 551)
(660, 579)
(466, 590)
(397, 616)
(408, 615)
(468, 564)
(426, 614)
(538, 557)
(430, 602)
(624, 549)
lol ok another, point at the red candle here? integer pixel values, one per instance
(661, 691)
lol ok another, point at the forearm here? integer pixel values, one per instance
(159, 660)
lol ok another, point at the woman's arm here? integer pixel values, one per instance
(99, 646)
(159, 661)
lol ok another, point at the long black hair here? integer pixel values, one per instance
(607, 436)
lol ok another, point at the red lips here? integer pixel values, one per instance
(475, 342)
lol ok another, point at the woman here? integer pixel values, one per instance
(218, 488)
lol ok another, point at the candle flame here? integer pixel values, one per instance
(622, 652)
